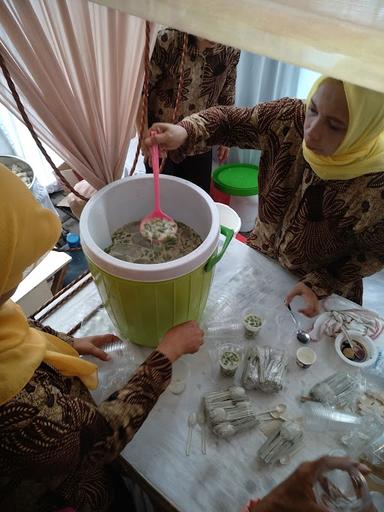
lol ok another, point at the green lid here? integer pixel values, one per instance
(237, 179)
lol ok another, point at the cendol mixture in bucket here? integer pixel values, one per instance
(129, 245)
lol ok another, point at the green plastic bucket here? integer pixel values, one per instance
(240, 183)
(144, 301)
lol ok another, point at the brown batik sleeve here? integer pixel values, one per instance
(45, 328)
(47, 431)
(366, 259)
(244, 127)
(126, 410)
(227, 126)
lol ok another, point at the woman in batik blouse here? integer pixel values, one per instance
(321, 181)
(57, 448)
(209, 79)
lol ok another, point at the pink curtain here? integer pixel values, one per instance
(79, 69)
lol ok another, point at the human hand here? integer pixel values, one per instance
(146, 152)
(182, 339)
(248, 507)
(168, 136)
(89, 345)
(310, 298)
(222, 154)
(296, 492)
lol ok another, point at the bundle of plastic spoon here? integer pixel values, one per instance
(227, 397)
(339, 390)
(229, 411)
(282, 443)
(236, 412)
(228, 429)
(265, 369)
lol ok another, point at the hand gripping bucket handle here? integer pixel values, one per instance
(215, 258)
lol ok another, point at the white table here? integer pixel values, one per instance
(225, 478)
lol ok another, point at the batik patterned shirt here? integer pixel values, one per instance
(209, 78)
(57, 446)
(329, 233)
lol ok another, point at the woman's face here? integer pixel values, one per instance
(326, 118)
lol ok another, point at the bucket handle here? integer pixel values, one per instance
(228, 233)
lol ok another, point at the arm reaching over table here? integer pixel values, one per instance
(295, 494)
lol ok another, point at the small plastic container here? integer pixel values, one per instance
(240, 182)
(78, 263)
(229, 356)
(252, 324)
(364, 341)
(305, 357)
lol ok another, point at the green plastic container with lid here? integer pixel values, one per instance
(239, 184)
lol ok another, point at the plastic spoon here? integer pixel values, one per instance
(192, 420)
(275, 414)
(356, 351)
(201, 423)
(301, 335)
(157, 226)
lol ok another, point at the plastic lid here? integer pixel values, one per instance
(73, 240)
(237, 179)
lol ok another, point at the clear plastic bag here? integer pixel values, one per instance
(228, 302)
(115, 373)
(264, 369)
(340, 390)
(357, 440)
(229, 411)
(371, 402)
(282, 443)
(375, 373)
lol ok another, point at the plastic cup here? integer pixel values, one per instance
(305, 357)
(223, 329)
(342, 490)
(252, 324)
(229, 359)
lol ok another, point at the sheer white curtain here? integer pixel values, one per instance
(262, 79)
(78, 68)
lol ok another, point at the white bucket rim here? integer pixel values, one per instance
(235, 223)
(150, 272)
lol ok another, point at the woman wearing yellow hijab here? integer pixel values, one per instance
(55, 443)
(321, 181)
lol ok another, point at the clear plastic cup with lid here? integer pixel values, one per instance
(252, 323)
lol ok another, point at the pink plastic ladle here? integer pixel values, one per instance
(150, 221)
